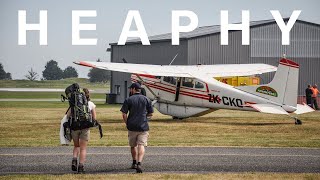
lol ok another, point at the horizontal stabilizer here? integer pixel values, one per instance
(268, 108)
(303, 108)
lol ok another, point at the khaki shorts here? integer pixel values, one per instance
(138, 138)
(83, 134)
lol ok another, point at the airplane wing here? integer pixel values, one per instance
(209, 71)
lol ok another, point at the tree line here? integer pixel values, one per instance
(53, 72)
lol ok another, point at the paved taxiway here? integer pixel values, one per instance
(56, 160)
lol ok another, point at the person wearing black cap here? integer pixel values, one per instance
(142, 90)
(139, 108)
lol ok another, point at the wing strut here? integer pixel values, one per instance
(178, 89)
(154, 94)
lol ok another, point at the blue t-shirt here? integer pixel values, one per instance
(138, 107)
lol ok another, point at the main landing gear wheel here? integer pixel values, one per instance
(297, 121)
(175, 117)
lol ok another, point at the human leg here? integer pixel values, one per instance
(83, 151)
(316, 107)
(142, 142)
(134, 155)
(76, 150)
(83, 142)
(132, 138)
(141, 151)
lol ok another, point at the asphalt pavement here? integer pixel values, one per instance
(115, 160)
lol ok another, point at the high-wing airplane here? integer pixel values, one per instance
(191, 90)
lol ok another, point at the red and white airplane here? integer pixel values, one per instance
(191, 90)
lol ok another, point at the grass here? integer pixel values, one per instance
(83, 82)
(225, 176)
(36, 124)
(41, 95)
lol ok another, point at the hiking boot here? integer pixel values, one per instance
(81, 169)
(74, 165)
(133, 166)
(139, 169)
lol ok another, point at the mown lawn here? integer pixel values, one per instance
(61, 84)
(41, 95)
(35, 124)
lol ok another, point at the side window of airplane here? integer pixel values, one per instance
(170, 80)
(199, 85)
(188, 82)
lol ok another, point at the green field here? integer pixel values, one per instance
(37, 124)
(41, 95)
(52, 84)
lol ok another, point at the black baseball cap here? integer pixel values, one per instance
(135, 86)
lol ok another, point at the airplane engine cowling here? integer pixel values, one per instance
(178, 111)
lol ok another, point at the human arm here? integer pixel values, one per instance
(124, 109)
(94, 114)
(124, 117)
(149, 109)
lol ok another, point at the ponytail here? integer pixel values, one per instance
(86, 93)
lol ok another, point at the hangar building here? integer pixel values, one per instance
(202, 46)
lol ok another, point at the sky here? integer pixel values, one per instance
(111, 15)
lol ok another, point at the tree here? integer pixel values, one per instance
(52, 71)
(70, 72)
(98, 75)
(3, 74)
(31, 75)
(8, 76)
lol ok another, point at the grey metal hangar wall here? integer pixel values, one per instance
(202, 46)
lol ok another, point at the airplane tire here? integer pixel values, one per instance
(297, 121)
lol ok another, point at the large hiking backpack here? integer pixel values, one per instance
(80, 116)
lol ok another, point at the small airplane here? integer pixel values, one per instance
(191, 90)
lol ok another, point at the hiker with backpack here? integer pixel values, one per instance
(81, 137)
(81, 116)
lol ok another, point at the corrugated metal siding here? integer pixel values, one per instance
(304, 41)
(207, 50)
(157, 53)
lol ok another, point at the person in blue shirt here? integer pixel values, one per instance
(140, 110)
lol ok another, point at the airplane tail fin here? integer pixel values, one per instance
(283, 89)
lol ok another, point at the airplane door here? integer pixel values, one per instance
(167, 88)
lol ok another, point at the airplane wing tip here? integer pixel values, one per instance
(83, 63)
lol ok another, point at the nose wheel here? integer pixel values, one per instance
(297, 121)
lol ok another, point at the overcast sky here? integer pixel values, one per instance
(156, 16)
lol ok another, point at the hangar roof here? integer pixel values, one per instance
(205, 30)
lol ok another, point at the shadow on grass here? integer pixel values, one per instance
(210, 121)
(251, 124)
(114, 171)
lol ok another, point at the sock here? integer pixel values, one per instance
(134, 162)
(74, 158)
(80, 164)
(139, 163)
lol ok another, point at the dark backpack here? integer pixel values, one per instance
(80, 116)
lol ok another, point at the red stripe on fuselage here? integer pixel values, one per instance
(159, 86)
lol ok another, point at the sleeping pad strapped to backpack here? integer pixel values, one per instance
(80, 117)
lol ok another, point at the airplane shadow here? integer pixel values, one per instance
(205, 121)
(250, 124)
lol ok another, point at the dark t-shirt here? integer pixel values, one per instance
(138, 107)
(309, 92)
